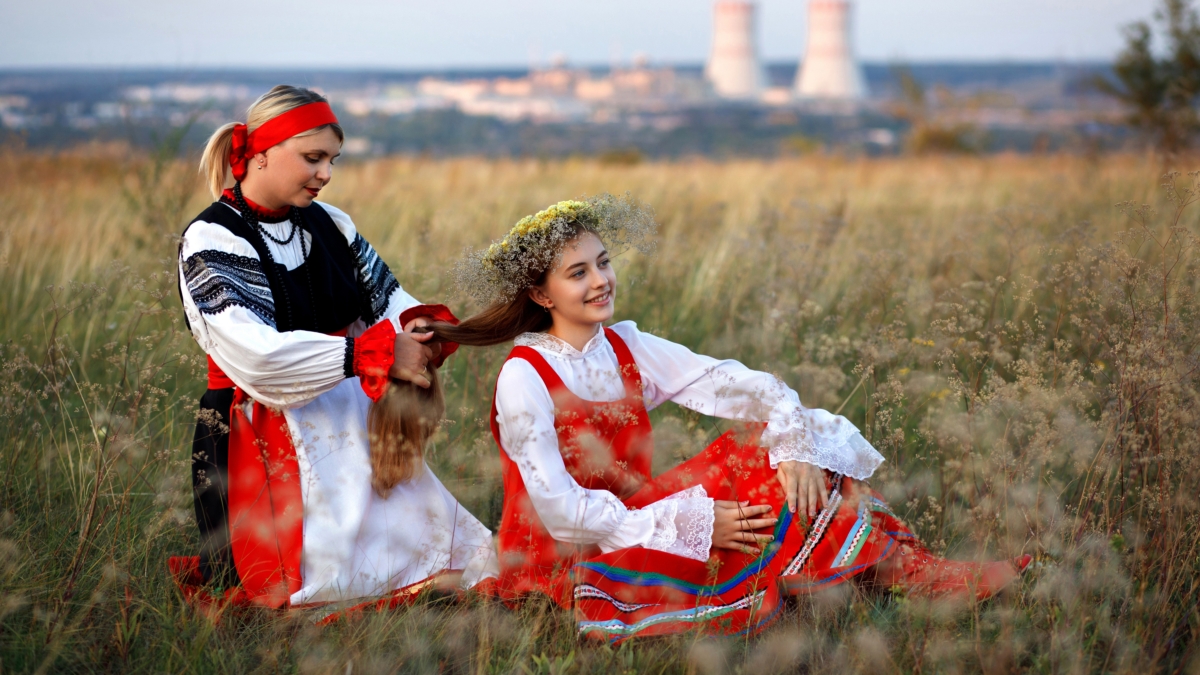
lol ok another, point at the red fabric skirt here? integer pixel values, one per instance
(640, 592)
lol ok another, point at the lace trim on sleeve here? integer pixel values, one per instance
(665, 532)
(683, 524)
(822, 439)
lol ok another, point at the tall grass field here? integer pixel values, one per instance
(1019, 336)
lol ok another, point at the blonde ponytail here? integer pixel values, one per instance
(214, 163)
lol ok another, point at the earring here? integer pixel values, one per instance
(260, 166)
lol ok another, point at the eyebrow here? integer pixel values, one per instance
(584, 262)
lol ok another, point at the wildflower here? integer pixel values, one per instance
(506, 267)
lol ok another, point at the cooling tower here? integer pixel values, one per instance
(733, 67)
(829, 70)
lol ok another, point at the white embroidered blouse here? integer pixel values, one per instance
(356, 543)
(281, 369)
(682, 523)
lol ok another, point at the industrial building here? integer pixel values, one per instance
(733, 68)
(829, 70)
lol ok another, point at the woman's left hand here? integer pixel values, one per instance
(804, 485)
(436, 347)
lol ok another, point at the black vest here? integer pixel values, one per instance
(336, 299)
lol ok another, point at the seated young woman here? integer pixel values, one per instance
(775, 509)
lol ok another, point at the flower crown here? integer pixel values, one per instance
(500, 272)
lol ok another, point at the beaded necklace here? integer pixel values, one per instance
(297, 218)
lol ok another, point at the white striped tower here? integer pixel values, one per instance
(829, 70)
(733, 66)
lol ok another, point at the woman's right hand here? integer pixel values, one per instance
(411, 358)
(734, 525)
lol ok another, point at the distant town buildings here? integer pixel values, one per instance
(736, 103)
(557, 93)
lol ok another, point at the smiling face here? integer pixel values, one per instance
(294, 171)
(581, 292)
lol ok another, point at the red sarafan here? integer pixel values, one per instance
(717, 543)
(640, 591)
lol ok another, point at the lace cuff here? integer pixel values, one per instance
(683, 524)
(822, 439)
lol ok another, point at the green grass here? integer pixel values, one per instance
(1024, 353)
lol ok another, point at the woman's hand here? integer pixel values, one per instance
(411, 358)
(804, 485)
(436, 348)
(734, 525)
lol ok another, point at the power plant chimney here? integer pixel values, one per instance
(733, 67)
(829, 70)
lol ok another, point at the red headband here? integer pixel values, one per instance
(275, 131)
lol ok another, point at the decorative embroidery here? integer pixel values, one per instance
(348, 358)
(796, 446)
(556, 345)
(818, 529)
(690, 527)
(855, 540)
(665, 533)
(820, 438)
(697, 534)
(589, 592)
(217, 280)
(690, 493)
(616, 627)
(375, 278)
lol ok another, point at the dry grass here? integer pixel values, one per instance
(1024, 352)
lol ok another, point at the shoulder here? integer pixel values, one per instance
(343, 222)
(205, 235)
(626, 330)
(637, 339)
(519, 385)
(515, 374)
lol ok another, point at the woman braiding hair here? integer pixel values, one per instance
(304, 326)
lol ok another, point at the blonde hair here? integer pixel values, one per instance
(214, 163)
(399, 425)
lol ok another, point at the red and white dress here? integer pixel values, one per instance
(584, 522)
(282, 467)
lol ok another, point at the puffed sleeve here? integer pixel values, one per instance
(386, 298)
(730, 390)
(680, 524)
(231, 314)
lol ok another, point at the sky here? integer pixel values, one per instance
(491, 33)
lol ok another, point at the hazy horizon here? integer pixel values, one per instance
(472, 34)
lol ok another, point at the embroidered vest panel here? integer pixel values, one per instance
(335, 300)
